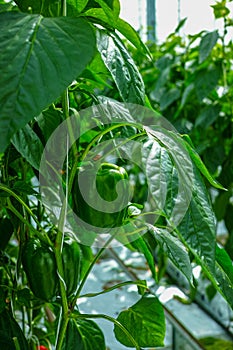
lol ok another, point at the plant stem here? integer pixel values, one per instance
(19, 216)
(64, 8)
(62, 325)
(16, 343)
(44, 237)
(100, 252)
(8, 190)
(137, 136)
(58, 251)
(116, 286)
(115, 126)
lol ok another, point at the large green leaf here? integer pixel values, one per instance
(198, 226)
(122, 68)
(206, 80)
(98, 15)
(197, 230)
(145, 322)
(207, 43)
(45, 55)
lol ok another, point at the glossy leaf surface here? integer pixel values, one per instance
(145, 322)
(39, 58)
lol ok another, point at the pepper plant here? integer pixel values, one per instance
(75, 121)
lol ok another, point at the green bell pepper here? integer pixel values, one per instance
(71, 258)
(107, 178)
(39, 264)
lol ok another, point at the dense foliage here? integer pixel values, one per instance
(189, 82)
(78, 90)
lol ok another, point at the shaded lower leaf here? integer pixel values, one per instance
(145, 321)
(24, 297)
(9, 331)
(6, 231)
(48, 121)
(82, 334)
(23, 187)
(28, 145)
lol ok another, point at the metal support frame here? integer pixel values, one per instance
(151, 20)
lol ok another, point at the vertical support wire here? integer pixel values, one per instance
(179, 11)
(140, 14)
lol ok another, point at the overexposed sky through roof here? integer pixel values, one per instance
(198, 12)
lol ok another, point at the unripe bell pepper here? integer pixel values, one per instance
(112, 207)
(71, 258)
(39, 264)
